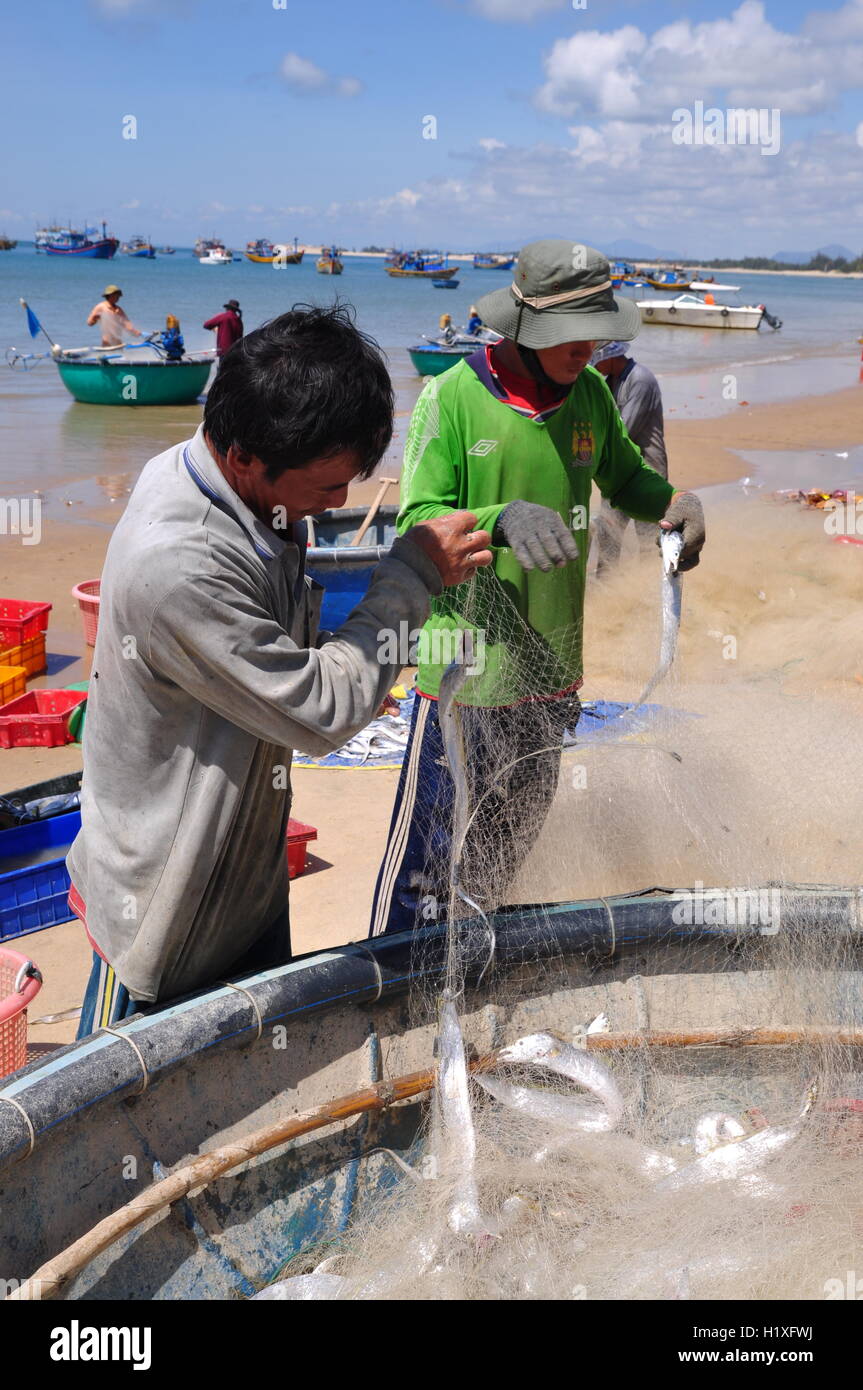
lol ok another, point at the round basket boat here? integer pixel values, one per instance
(106, 1119)
(134, 383)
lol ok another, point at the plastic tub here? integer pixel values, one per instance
(298, 836)
(20, 982)
(88, 595)
(39, 719)
(30, 654)
(20, 620)
(34, 880)
(13, 681)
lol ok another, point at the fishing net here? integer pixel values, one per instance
(673, 1109)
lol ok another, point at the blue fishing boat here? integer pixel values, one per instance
(445, 284)
(84, 245)
(490, 261)
(423, 265)
(140, 247)
(345, 570)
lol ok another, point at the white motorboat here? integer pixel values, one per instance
(217, 255)
(694, 311)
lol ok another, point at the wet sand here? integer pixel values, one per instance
(351, 809)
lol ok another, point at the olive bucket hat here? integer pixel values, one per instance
(561, 293)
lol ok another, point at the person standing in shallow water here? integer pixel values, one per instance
(638, 398)
(228, 326)
(111, 318)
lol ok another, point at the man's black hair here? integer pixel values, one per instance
(306, 385)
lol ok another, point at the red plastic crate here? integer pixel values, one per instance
(297, 838)
(39, 719)
(21, 620)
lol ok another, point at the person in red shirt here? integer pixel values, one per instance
(228, 326)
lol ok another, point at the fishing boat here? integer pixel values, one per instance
(6, 244)
(166, 251)
(334, 1051)
(621, 271)
(84, 245)
(139, 246)
(674, 279)
(216, 255)
(420, 266)
(45, 235)
(693, 311)
(491, 261)
(263, 252)
(119, 376)
(328, 262)
(436, 355)
(205, 244)
(445, 284)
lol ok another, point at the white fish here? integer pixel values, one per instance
(742, 1158)
(457, 1141)
(302, 1288)
(671, 545)
(568, 1112)
(714, 1129)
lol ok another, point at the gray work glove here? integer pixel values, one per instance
(538, 537)
(686, 515)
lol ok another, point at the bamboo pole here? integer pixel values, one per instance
(386, 484)
(53, 1276)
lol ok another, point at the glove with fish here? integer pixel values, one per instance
(686, 515)
(538, 536)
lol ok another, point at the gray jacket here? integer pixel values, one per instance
(205, 678)
(639, 401)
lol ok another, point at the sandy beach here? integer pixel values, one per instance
(351, 809)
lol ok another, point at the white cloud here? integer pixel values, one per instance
(860, 134)
(301, 72)
(594, 72)
(130, 207)
(626, 75)
(305, 76)
(844, 23)
(490, 144)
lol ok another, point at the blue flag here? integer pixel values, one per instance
(32, 322)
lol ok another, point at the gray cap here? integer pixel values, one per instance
(561, 293)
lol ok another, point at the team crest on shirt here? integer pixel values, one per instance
(582, 442)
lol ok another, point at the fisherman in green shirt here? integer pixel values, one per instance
(516, 434)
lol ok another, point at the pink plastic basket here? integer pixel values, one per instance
(87, 594)
(20, 982)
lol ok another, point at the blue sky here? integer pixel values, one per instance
(307, 120)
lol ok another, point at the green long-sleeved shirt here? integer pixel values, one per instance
(466, 449)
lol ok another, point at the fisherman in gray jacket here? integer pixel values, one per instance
(209, 668)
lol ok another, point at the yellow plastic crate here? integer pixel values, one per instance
(13, 682)
(30, 655)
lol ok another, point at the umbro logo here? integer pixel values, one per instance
(483, 447)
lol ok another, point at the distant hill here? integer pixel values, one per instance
(834, 251)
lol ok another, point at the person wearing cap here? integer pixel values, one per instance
(228, 326)
(111, 318)
(638, 398)
(518, 432)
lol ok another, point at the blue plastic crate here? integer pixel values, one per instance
(35, 895)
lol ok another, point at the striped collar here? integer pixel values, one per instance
(481, 364)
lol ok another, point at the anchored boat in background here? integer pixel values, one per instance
(422, 266)
(328, 262)
(139, 246)
(86, 245)
(697, 311)
(490, 261)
